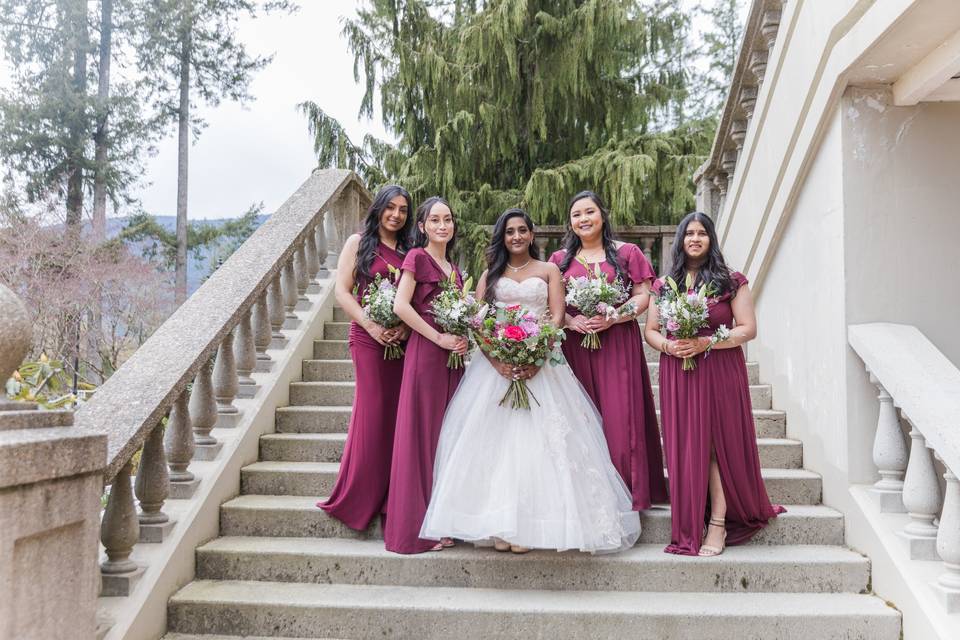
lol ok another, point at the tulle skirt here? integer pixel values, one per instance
(539, 478)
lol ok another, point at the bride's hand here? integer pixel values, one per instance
(503, 369)
(528, 371)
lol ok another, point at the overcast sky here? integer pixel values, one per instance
(262, 151)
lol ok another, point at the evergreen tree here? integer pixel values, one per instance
(720, 44)
(189, 52)
(509, 102)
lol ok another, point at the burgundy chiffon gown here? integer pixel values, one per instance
(709, 408)
(428, 384)
(617, 380)
(361, 487)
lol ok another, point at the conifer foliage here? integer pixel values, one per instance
(509, 102)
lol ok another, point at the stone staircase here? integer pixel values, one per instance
(283, 568)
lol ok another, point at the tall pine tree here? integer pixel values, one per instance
(509, 102)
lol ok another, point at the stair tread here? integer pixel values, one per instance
(324, 437)
(334, 467)
(308, 503)
(645, 553)
(308, 408)
(673, 604)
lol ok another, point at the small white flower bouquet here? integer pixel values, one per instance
(683, 314)
(377, 303)
(594, 295)
(454, 310)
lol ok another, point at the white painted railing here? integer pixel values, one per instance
(912, 375)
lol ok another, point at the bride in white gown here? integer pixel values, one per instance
(520, 479)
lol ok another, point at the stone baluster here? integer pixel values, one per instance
(738, 132)
(119, 529)
(748, 100)
(203, 413)
(720, 182)
(769, 26)
(313, 261)
(889, 454)
(921, 497)
(728, 162)
(646, 244)
(245, 355)
(302, 277)
(948, 545)
(178, 443)
(758, 65)
(277, 312)
(262, 333)
(289, 282)
(666, 251)
(152, 487)
(322, 247)
(225, 383)
(541, 242)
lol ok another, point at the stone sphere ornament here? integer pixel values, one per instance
(15, 333)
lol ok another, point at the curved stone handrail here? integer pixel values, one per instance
(135, 398)
(911, 374)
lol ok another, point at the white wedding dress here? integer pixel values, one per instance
(540, 478)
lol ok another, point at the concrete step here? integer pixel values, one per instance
(331, 350)
(320, 394)
(342, 371)
(339, 315)
(298, 516)
(784, 486)
(775, 453)
(314, 419)
(753, 569)
(336, 330)
(341, 393)
(302, 447)
(309, 610)
(761, 396)
(207, 636)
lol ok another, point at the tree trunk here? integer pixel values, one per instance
(183, 150)
(79, 42)
(100, 136)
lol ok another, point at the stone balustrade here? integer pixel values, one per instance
(917, 387)
(656, 241)
(714, 177)
(184, 380)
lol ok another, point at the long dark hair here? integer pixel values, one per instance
(497, 255)
(714, 270)
(572, 243)
(370, 236)
(422, 212)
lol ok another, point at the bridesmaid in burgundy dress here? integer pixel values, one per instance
(615, 376)
(361, 487)
(428, 384)
(707, 418)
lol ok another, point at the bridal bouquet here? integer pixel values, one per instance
(377, 305)
(513, 335)
(682, 315)
(594, 295)
(454, 309)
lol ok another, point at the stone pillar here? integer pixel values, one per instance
(245, 355)
(758, 65)
(921, 497)
(542, 242)
(646, 244)
(289, 282)
(748, 100)
(225, 384)
(119, 531)
(322, 248)
(302, 277)
(203, 414)
(178, 443)
(948, 545)
(769, 27)
(262, 333)
(152, 488)
(15, 335)
(738, 133)
(666, 250)
(889, 454)
(277, 312)
(313, 261)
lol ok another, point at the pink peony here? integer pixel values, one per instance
(673, 325)
(513, 332)
(530, 327)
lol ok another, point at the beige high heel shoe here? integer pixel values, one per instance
(708, 550)
(501, 545)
